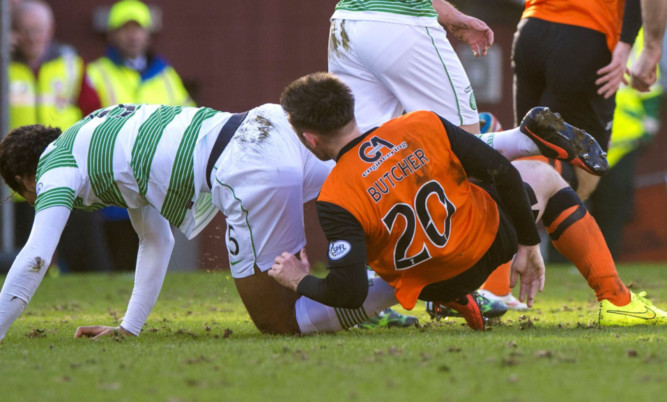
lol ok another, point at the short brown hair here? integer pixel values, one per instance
(318, 102)
(20, 151)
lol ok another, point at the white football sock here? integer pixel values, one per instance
(512, 144)
(313, 316)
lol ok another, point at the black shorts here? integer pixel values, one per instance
(501, 251)
(556, 65)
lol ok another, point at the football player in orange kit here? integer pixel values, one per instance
(434, 210)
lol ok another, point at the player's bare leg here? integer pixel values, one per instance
(586, 183)
(270, 305)
(275, 309)
(471, 128)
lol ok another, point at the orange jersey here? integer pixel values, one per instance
(423, 221)
(605, 16)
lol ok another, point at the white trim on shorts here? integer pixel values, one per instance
(262, 179)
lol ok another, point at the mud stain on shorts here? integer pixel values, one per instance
(339, 41)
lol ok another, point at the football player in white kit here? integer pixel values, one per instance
(176, 165)
(396, 58)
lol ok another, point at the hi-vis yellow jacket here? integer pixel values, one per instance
(50, 95)
(157, 84)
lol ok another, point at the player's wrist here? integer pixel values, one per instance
(125, 332)
(128, 329)
(298, 280)
(304, 284)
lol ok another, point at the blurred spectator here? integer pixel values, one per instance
(636, 121)
(130, 72)
(47, 79)
(48, 85)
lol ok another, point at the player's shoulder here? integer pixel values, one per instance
(272, 108)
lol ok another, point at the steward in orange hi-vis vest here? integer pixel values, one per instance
(405, 188)
(424, 221)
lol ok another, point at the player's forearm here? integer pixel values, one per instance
(10, 309)
(514, 198)
(30, 265)
(345, 287)
(11, 305)
(155, 246)
(654, 17)
(447, 13)
(151, 269)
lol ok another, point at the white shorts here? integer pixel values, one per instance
(262, 180)
(394, 68)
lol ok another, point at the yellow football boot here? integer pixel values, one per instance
(640, 311)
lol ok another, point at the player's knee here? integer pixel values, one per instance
(276, 321)
(541, 176)
(277, 329)
(270, 305)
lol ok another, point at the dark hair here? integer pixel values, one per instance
(318, 102)
(20, 151)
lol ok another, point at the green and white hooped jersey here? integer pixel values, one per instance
(412, 12)
(131, 156)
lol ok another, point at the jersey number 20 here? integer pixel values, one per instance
(411, 214)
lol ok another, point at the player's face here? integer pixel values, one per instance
(30, 194)
(30, 197)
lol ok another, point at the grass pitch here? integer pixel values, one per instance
(199, 344)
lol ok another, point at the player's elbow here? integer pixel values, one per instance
(355, 284)
(168, 240)
(356, 301)
(343, 294)
(355, 296)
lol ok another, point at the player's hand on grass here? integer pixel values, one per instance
(528, 264)
(98, 331)
(288, 270)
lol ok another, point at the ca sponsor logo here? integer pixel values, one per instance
(371, 150)
(339, 249)
(39, 187)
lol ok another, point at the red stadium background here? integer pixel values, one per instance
(234, 55)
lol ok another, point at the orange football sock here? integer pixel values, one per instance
(576, 235)
(498, 282)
